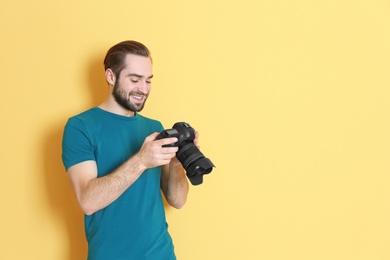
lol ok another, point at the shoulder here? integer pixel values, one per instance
(86, 119)
(148, 119)
(87, 115)
(153, 123)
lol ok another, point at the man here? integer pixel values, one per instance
(117, 168)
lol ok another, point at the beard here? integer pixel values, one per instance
(124, 100)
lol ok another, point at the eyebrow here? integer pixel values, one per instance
(139, 76)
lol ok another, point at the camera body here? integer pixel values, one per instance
(192, 159)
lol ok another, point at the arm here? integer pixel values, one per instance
(174, 182)
(95, 193)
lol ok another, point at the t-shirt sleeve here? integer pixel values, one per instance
(160, 127)
(76, 144)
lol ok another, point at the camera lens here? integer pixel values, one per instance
(192, 159)
(194, 162)
(188, 153)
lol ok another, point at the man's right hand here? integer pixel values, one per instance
(152, 152)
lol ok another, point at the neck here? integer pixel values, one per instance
(115, 108)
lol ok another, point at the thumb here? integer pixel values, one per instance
(152, 136)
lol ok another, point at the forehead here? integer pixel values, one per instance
(138, 64)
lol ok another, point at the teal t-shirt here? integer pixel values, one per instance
(133, 226)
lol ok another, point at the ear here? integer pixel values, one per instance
(110, 77)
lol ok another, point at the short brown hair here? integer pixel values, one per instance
(115, 57)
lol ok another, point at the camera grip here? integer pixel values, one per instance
(167, 134)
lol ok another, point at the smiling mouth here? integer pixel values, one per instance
(138, 97)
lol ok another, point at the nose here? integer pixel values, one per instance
(144, 87)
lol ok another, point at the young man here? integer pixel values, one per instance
(117, 168)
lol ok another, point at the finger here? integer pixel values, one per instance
(170, 150)
(166, 141)
(152, 136)
(165, 158)
(196, 140)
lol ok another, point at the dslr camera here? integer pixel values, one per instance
(192, 159)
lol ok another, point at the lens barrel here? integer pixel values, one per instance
(194, 162)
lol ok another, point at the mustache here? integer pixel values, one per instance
(138, 93)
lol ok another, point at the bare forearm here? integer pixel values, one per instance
(100, 192)
(176, 189)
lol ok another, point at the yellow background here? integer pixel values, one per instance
(291, 99)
